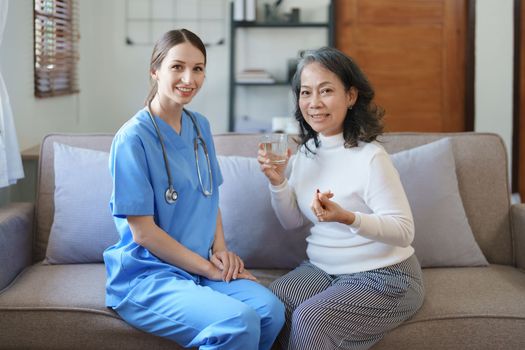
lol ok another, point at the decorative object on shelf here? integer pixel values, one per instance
(291, 66)
(273, 15)
(287, 125)
(279, 124)
(294, 16)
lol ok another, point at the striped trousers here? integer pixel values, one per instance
(351, 311)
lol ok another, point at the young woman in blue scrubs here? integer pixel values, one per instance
(171, 273)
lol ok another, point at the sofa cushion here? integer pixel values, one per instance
(466, 308)
(427, 173)
(62, 306)
(251, 227)
(82, 226)
(443, 236)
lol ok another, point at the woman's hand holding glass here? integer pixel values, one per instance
(230, 266)
(273, 171)
(327, 210)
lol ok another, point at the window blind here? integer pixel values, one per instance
(56, 47)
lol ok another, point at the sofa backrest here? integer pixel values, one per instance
(481, 167)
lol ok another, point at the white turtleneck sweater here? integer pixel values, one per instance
(365, 182)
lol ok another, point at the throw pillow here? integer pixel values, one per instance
(443, 236)
(251, 227)
(83, 225)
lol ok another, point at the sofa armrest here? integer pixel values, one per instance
(16, 238)
(517, 215)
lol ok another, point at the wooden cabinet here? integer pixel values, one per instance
(414, 53)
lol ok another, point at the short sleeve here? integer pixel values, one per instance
(132, 189)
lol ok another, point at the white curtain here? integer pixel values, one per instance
(10, 161)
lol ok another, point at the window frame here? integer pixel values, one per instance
(55, 47)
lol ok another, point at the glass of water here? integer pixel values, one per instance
(276, 147)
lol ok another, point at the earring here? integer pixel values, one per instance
(350, 107)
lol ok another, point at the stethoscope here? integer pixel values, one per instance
(171, 194)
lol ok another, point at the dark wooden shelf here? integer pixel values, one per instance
(234, 86)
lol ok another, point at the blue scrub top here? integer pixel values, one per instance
(139, 183)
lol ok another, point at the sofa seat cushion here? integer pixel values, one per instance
(62, 307)
(466, 308)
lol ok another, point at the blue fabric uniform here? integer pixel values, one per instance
(158, 297)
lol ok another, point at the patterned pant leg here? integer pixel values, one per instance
(294, 288)
(358, 309)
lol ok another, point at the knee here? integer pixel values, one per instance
(308, 317)
(240, 330)
(248, 321)
(275, 312)
(271, 310)
(279, 288)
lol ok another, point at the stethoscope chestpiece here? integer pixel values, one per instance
(171, 195)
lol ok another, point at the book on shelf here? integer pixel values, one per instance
(256, 80)
(244, 10)
(249, 10)
(254, 76)
(238, 10)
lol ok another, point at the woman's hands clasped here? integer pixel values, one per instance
(274, 172)
(229, 266)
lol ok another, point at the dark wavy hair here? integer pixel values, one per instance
(364, 121)
(163, 45)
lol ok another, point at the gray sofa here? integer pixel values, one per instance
(62, 306)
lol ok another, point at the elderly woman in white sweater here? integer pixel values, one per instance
(362, 278)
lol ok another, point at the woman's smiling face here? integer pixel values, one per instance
(181, 74)
(323, 99)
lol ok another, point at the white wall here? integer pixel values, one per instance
(113, 76)
(494, 68)
(33, 118)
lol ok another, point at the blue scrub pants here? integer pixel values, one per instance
(210, 315)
